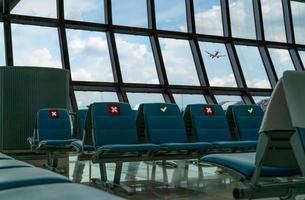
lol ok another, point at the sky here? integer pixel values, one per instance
(89, 55)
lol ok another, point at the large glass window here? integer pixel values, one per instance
(298, 14)
(135, 99)
(39, 8)
(85, 98)
(273, 18)
(208, 17)
(182, 100)
(242, 19)
(136, 59)
(253, 67)
(179, 62)
(302, 55)
(36, 46)
(133, 13)
(89, 56)
(261, 101)
(281, 60)
(217, 64)
(171, 15)
(88, 10)
(227, 100)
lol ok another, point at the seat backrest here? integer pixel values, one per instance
(53, 124)
(163, 123)
(113, 123)
(247, 120)
(209, 123)
(81, 118)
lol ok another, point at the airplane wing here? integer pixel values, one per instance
(209, 53)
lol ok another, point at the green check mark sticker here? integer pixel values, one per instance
(163, 109)
(251, 111)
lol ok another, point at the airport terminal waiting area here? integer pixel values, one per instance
(262, 151)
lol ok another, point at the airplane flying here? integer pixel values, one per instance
(215, 55)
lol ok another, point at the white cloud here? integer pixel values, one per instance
(45, 8)
(43, 57)
(209, 21)
(225, 81)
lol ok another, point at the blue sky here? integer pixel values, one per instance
(89, 56)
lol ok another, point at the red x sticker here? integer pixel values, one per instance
(208, 110)
(114, 109)
(54, 114)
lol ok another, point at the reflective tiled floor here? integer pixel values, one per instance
(212, 186)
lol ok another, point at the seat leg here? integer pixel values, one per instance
(78, 171)
(153, 171)
(103, 172)
(117, 173)
(164, 171)
(132, 171)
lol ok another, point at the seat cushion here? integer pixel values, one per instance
(58, 191)
(7, 163)
(236, 144)
(26, 176)
(57, 142)
(187, 146)
(244, 163)
(129, 148)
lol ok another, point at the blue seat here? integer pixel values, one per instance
(27, 176)
(164, 125)
(114, 129)
(247, 121)
(244, 163)
(58, 191)
(208, 123)
(53, 130)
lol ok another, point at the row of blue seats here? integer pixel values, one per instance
(20, 180)
(203, 123)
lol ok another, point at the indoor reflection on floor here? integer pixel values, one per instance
(213, 185)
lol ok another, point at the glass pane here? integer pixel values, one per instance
(135, 99)
(253, 67)
(182, 100)
(171, 15)
(39, 8)
(89, 10)
(122, 15)
(40, 48)
(85, 98)
(179, 62)
(136, 59)
(273, 20)
(261, 101)
(242, 19)
(226, 100)
(302, 55)
(2, 49)
(217, 64)
(89, 56)
(298, 15)
(281, 60)
(208, 17)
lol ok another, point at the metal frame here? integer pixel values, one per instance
(153, 33)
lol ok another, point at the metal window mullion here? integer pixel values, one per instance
(7, 34)
(226, 22)
(190, 16)
(151, 14)
(240, 79)
(258, 17)
(288, 21)
(270, 70)
(63, 44)
(296, 59)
